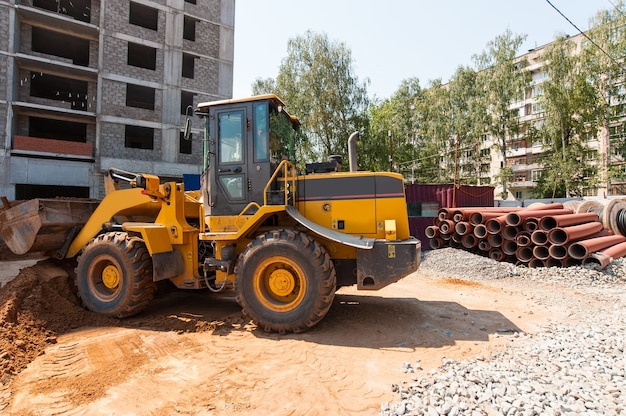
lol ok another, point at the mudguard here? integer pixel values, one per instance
(347, 239)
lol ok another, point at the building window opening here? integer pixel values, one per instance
(143, 16)
(60, 89)
(184, 145)
(186, 100)
(62, 45)
(138, 137)
(78, 9)
(28, 191)
(141, 56)
(189, 29)
(47, 128)
(189, 62)
(139, 96)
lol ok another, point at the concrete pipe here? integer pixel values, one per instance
(464, 214)
(494, 240)
(436, 243)
(523, 239)
(516, 218)
(564, 235)
(552, 262)
(542, 206)
(582, 249)
(431, 231)
(524, 254)
(443, 214)
(509, 232)
(539, 237)
(541, 252)
(531, 224)
(605, 257)
(495, 225)
(469, 241)
(496, 254)
(480, 231)
(463, 227)
(570, 262)
(482, 217)
(558, 252)
(509, 247)
(534, 263)
(552, 221)
(446, 227)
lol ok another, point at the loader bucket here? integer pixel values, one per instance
(44, 225)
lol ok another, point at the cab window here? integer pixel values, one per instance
(231, 137)
(261, 133)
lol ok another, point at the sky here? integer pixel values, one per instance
(394, 40)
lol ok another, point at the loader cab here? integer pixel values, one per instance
(245, 141)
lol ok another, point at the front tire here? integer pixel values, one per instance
(114, 275)
(285, 281)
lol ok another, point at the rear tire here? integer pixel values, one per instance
(285, 281)
(114, 275)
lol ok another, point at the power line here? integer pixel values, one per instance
(585, 35)
(616, 8)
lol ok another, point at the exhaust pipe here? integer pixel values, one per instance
(352, 151)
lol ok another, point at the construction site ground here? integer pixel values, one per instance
(193, 353)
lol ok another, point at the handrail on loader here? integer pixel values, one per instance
(288, 167)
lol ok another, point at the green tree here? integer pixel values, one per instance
(571, 120)
(435, 160)
(504, 81)
(468, 122)
(317, 82)
(263, 86)
(390, 144)
(603, 53)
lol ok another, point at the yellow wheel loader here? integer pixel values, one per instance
(284, 241)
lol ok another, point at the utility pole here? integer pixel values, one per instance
(390, 151)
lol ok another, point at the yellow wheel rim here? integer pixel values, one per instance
(111, 276)
(279, 284)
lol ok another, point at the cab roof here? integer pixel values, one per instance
(278, 103)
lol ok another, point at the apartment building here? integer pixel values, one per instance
(86, 85)
(523, 154)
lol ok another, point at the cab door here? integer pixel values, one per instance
(231, 161)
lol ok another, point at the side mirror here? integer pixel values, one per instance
(187, 134)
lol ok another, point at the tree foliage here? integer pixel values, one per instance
(569, 165)
(436, 134)
(504, 82)
(604, 56)
(431, 118)
(468, 123)
(391, 139)
(317, 82)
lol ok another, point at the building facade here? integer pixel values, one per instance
(86, 85)
(523, 154)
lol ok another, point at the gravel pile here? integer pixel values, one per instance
(565, 369)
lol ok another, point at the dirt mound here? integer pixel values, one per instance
(35, 307)
(41, 303)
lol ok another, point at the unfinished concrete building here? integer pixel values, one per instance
(86, 85)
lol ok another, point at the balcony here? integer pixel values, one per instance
(35, 16)
(522, 185)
